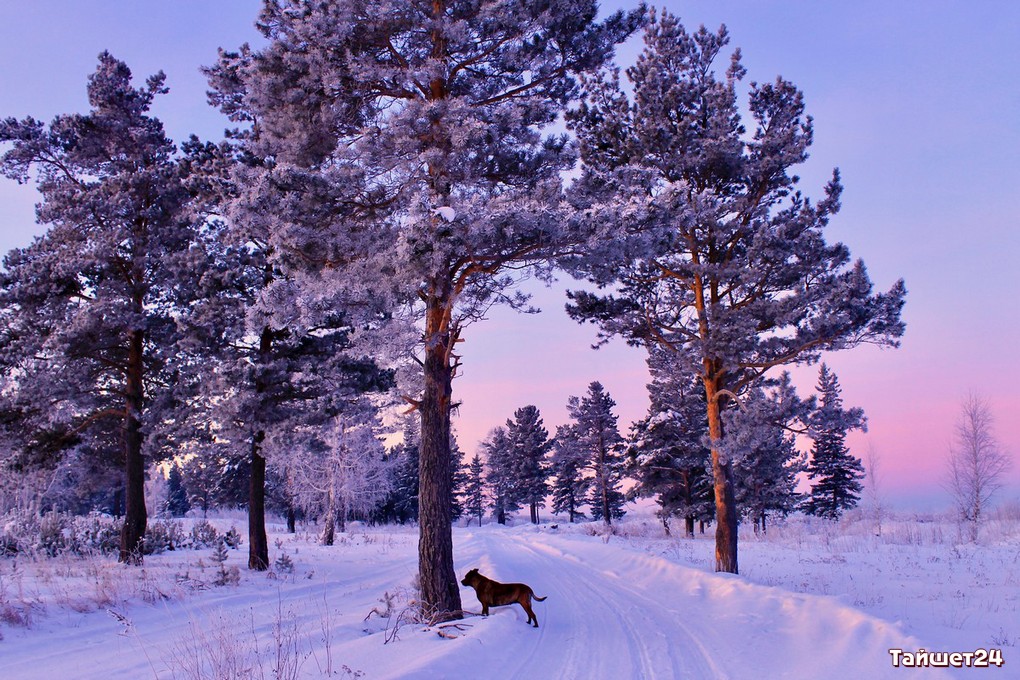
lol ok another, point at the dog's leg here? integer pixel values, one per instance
(530, 612)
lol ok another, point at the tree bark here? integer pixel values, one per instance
(722, 474)
(258, 542)
(689, 526)
(291, 520)
(440, 594)
(135, 517)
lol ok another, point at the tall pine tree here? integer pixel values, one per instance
(92, 331)
(712, 251)
(423, 119)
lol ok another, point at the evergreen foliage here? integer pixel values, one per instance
(177, 503)
(761, 438)
(504, 497)
(711, 249)
(405, 138)
(474, 490)
(836, 473)
(595, 434)
(88, 332)
(529, 443)
(668, 456)
(570, 487)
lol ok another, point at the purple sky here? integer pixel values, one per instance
(916, 103)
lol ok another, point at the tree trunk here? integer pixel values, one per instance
(258, 542)
(534, 513)
(722, 474)
(665, 524)
(440, 594)
(291, 520)
(329, 519)
(689, 526)
(135, 517)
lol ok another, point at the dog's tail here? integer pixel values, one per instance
(540, 599)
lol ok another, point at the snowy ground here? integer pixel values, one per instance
(812, 600)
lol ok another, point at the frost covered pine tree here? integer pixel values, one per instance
(713, 252)
(501, 477)
(529, 444)
(667, 455)
(596, 435)
(761, 439)
(570, 486)
(835, 472)
(434, 111)
(268, 369)
(92, 331)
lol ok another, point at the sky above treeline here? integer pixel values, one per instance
(916, 102)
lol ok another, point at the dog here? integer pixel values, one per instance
(495, 594)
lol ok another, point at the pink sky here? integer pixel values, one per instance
(915, 102)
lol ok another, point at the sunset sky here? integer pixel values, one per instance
(917, 103)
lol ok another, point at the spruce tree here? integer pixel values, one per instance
(596, 434)
(570, 487)
(836, 474)
(501, 478)
(177, 503)
(667, 453)
(474, 489)
(761, 439)
(710, 248)
(90, 331)
(529, 443)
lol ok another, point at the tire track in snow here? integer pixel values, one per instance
(597, 626)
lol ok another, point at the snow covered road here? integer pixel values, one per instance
(615, 613)
(612, 612)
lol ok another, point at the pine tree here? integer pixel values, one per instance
(503, 493)
(90, 324)
(597, 436)
(529, 443)
(177, 503)
(404, 497)
(458, 479)
(667, 454)
(571, 487)
(283, 368)
(836, 474)
(722, 259)
(423, 119)
(474, 489)
(761, 438)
